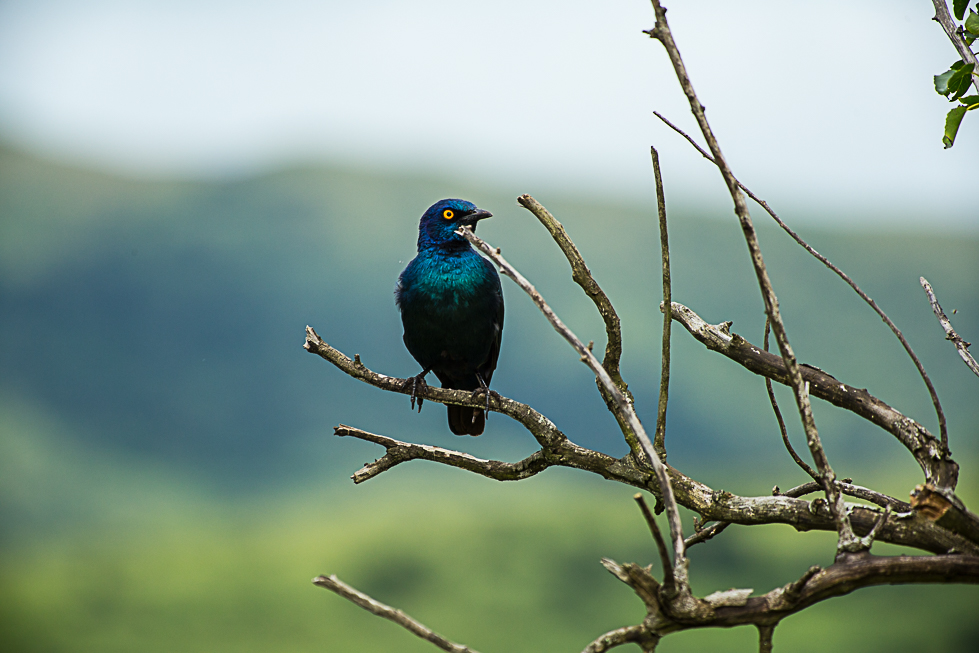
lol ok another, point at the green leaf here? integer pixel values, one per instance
(958, 84)
(971, 102)
(958, 64)
(968, 37)
(972, 22)
(952, 121)
(941, 82)
(958, 8)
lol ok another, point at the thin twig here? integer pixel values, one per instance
(961, 345)
(659, 441)
(373, 606)
(669, 582)
(847, 541)
(781, 423)
(942, 428)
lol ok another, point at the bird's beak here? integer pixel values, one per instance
(473, 218)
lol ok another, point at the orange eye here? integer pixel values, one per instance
(448, 214)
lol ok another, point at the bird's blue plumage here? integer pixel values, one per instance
(452, 307)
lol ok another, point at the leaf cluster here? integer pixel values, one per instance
(954, 83)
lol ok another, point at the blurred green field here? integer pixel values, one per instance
(498, 568)
(168, 481)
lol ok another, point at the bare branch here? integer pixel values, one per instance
(583, 277)
(613, 347)
(399, 452)
(659, 441)
(943, 18)
(781, 423)
(543, 429)
(939, 468)
(337, 586)
(961, 345)
(710, 504)
(851, 571)
(847, 540)
(942, 427)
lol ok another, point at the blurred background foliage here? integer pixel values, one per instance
(168, 477)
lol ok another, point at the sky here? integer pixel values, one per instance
(825, 109)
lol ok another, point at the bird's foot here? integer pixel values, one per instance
(488, 394)
(417, 383)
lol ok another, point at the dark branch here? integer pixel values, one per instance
(337, 586)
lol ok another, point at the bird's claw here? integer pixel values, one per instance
(488, 393)
(417, 382)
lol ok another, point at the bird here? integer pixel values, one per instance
(451, 304)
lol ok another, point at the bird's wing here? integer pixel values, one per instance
(490, 365)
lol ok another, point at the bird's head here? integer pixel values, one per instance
(439, 224)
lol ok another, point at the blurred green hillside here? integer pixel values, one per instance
(168, 480)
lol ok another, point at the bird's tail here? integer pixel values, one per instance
(464, 420)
